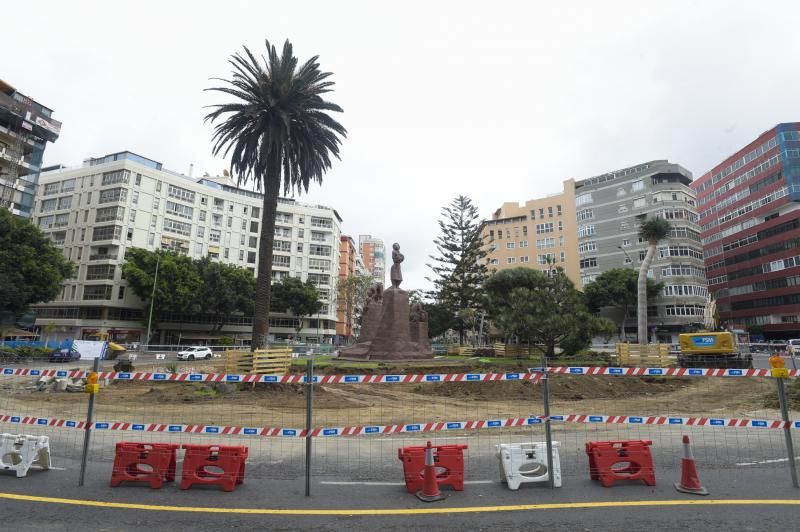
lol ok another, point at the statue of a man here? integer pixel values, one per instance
(395, 275)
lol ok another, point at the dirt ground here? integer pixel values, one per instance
(338, 405)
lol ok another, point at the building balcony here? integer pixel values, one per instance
(103, 256)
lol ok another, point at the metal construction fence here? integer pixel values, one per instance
(359, 420)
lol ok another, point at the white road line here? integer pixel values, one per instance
(773, 461)
(346, 483)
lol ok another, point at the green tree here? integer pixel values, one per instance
(440, 318)
(178, 284)
(540, 308)
(279, 134)
(652, 231)
(31, 267)
(618, 288)
(460, 266)
(295, 297)
(352, 293)
(226, 289)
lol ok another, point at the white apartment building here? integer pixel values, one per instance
(109, 204)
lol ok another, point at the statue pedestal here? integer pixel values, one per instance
(392, 339)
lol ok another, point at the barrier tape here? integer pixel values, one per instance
(533, 374)
(279, 379)
(440, 426)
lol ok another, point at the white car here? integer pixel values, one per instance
(794, 347)
(191, 353)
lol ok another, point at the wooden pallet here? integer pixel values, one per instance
(272, 361)
(510, 350)
(647, 355)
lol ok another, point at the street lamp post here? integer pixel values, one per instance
(152, 300)
(630, 261)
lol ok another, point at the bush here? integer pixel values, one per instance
(484, 352)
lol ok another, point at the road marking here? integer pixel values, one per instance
(403, 511)
(773, 461)
(356, 483)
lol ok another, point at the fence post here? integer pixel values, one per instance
(88, 428)
(547, 434)
(787, 431)
(309, 411)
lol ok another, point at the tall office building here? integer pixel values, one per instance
(609, 209)
(26, 126)
(97, 211)
(750, 219)
(350, 263)
(374, 255)
(536, 234)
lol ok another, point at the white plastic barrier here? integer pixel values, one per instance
(19, 452)
(527, 462)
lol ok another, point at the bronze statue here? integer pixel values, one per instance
(395, 275)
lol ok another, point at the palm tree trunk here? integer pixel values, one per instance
(264, 276)
(641, 309)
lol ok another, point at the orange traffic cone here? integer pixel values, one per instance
(690, 483)
(430, 488)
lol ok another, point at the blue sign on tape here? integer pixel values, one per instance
(371, 430)
(512, 376)
(615, 371)
(159, 376)
(735, 372)
(576, 371)
(250, 431)
(533, 421)
(392, 378)
(175, 428)
(8, 371)
(330, 432)
(123, 376)
(695, 372)
(195, 377)
(289, 432)
(61, 373)
(211, 430)
(655, 371)
(557, 418)
(473, 377)
(635, 420)
(14, 419)
(412, 428)
(676, 421)
(233, 378)
(41, 421)
(595, 419)
(71, 424)
(137, 427)
(716, 421)
(454, 425)
(433, 378)
(36, 372)
(351, 378)
(101, 425)
(759, 423)
(494, 423)
(269, 378)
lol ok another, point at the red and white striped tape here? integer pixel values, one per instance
(409, 428)
(534, 374)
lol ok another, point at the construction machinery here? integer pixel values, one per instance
(712, 350)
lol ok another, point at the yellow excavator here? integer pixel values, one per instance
(712, 348)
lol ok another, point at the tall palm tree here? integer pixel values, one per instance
(653, 230)
(278, 132)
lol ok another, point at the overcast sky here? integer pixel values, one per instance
(499, 101)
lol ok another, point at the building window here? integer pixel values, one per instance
(253, 242)
(254, 227)
(588, 263)
(132, 216)
(558, 210)
(181, 194)
(511, 260)
(541, 213)
(251, 257)
(213, 235)
(241, 254)
(523, 259)
(544, 228)
(255, 212)
(585, 247)
(198, 248)
(184, 211)
(158, 186)
(117, 176)
(583, 199)
(138, 179)
(586, 230)
(121, 293)
(550, 212)
(636, 186)
(201, 232)
(523, 243)
(151, 239)
(626, 242)
(639, 203)
(560, 225)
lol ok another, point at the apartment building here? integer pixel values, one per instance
(350, 263)
(609, 209)
(374, 255)
(536, 234)
(109, 204)
(749, 208)
(26, 126)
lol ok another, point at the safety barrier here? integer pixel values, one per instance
(19, 452)
(524, 463)
(115, 421)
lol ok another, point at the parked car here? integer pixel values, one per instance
(64, 354)
(794, 346)
(192, 353)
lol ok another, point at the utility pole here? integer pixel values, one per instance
(152, 300)
(630, 261)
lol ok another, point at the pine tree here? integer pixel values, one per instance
(459, 269)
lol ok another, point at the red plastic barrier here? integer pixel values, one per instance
(449, 461)
(144, 462)
(632, 459)
(230, 460)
